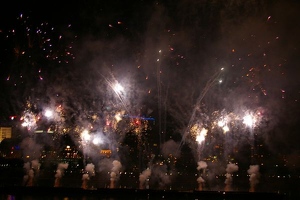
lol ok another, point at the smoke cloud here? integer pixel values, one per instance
(31, 169)
(160, 177)
(143, 178)
(230, 169)
(202, 165)
(61, 167)
(115, 171)
(170, 148)
(89, 172)
(254, 173)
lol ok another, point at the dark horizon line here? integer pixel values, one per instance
(127, 192)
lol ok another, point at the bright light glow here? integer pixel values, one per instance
(118, 117)
(12, 117)
(29, 120)
(97, 141)
(118, 88)
(201, 136)
(225, 129)
(24, 124)
(85, 135)
(248, 120)
(221, 123)
(48, 113)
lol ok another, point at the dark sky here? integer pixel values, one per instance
(165, 53)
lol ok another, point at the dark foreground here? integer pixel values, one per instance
(33, 193)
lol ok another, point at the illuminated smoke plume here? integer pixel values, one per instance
(35, 165)
(85, 178)
(30, 148)
(253, 171)
(231, 168)
(144, 178)
(90, 171)
(59, 173)
(201, 182)
(114, 173)
(28, 176)
(160, 175)
(202, 165)
(31, 169)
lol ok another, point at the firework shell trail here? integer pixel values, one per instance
(208, 85)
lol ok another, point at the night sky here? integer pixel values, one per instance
(185, 63)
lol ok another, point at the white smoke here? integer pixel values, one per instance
(231, 168)
(143, 177)
(115, 171)
(61, 167)
(85, 179)
(26, 168)
(30, 148)
(31, 168)
(170, 148)
(90, 171)
(35, 165)
(159, 174)
(253, 171)
(202, 165)
(200, 180)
